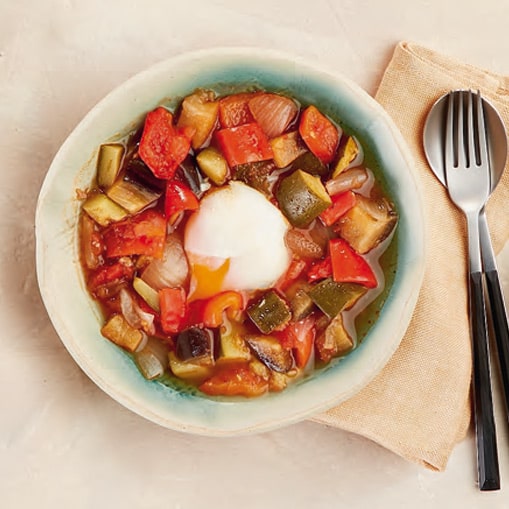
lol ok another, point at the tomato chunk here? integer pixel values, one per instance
(172, 302)
(244, 144)
(163, 146)
(341, 204)
(110, 275)
(300, 336)
(320, 270)
(235, 381)
(348, 266)
(217, 305)
(143, 234)
(178, 197)
(319, 133)
(234, 109)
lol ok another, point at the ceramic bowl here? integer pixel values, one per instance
(77, 318)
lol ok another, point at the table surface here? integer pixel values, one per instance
(65, 443)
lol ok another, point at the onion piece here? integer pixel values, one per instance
(134, 315)
(171, 270)
(273, 112)
(354, 178)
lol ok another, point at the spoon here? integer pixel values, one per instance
(433, 139)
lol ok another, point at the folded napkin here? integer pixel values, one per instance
(419, 405)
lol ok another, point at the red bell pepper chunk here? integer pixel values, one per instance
(244, 144)
(178, 197)
(143, 234)
(234, 109)
(195, 313)
(341, 204)
(299, 337)
(320, 270)
(172, 303)
(319, 133)
(235, 381)
(163, 146)
(348, 266)
(110, 275)
(217, 305)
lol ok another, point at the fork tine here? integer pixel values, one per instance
(449, 154)
(471, 133)
(461, 148)
(481, 130)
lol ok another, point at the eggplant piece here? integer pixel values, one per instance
(190, 175)
(188, 371)
(332, 297)
(109, 162)
(196, 345)
(117, 330)
(286, 148)
(152, 360)
(367, 223)
(302, 198)
(271, 353)
(257, 175)
(334, 341)
(270, 312)
(103, 210)
(233, 348)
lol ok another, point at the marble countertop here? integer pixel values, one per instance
(65, 443)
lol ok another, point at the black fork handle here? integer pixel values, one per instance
(487, 453)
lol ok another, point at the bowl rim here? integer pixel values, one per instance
(211, 416)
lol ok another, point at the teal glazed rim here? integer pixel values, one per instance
(77, 319)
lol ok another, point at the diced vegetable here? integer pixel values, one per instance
(213, 164)
(163, 146)
(332, 297)
(287, 148)
(341, 203)
(229, 301)
(273, 112)
(300, 242)
(270, 351)
(349, 266)
(169, 271)
(278, 381)
(235, 381)
(152, 360)
(109, 162)
(178, 197)
(302, 198)
(301, 304)
(296, 268)
(132, 195)
(117, 330)
(199, 111)
(270, 312)
(349, 153)
(147, 293)
(144, 233)
(172, 304)
(189, 371)
(309, 163)
(367, 224)
(319, 133)
(107, 279)
(257, 175)
(233, 348)
(234, 109)
(299, 336)
(133, 313)
(196, 344)
(320, 270)
(189, 174)
(348, 180)
(92, 245)
(334, 341)
(246, 143)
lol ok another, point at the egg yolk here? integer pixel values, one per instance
(206, 279)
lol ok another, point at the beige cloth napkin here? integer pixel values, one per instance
(419, 405)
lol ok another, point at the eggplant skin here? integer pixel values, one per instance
(195, 345)
(271, 353)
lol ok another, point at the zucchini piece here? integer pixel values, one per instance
(270, 313)
(270, 351)
(188, 371)
(147, 293)
(332, 297)
(103, 210)
(233, 348)
(302, 198)
(349, 152)
(152, 360)
(309, 163)
(334, 341)
(286, 148)
(301, 305)
(200, 111)
(109, 162)
(196, 345)
(117, 330)
(367, 223)
(257, 175)
(213, 164)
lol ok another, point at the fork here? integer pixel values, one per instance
(467, 173)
